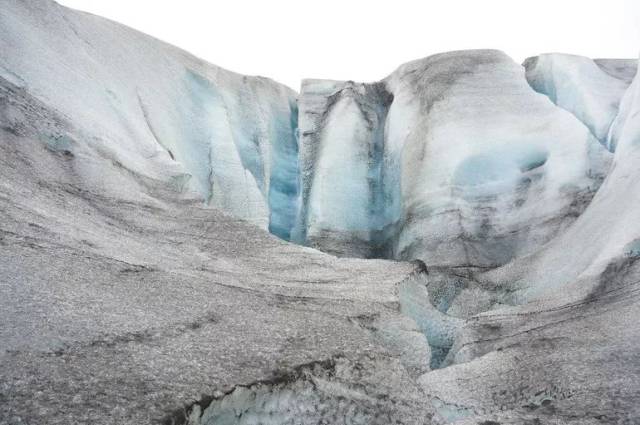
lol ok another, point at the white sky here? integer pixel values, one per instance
(289, 40)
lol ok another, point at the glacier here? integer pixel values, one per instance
(456, 243)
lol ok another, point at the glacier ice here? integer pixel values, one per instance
(601, 235)
(589, 89)
(235, 141)
(133, 289)
(465, 159)
(167, 115)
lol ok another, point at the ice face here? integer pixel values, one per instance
(460, 161)
(226, 166)
(392, 169)
(481, 157)
(111, 143)
(284, 184)
(240, 147)
(588, 89)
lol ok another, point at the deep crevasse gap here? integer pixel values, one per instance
(284, 186)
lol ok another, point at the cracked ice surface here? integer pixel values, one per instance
(320, 392)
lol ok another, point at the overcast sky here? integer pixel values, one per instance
(365, 40)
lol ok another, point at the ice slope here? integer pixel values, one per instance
(589, 89)
(452, 159)
(158, 110)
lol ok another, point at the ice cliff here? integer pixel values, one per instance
(452, 159)
(493, 207)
